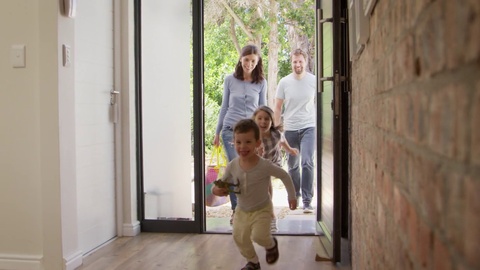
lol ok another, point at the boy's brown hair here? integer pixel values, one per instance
(247, 125)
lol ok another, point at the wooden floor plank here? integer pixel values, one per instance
(199, 252)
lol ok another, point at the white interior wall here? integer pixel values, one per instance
(37, 163)
(20, 131)
(69, 250)
(30, 193)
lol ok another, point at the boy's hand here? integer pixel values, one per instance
(292, 204)
(219, 184)
(218, 191)
(220, 188)
(294, 152)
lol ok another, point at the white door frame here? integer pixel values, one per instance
(125, 139)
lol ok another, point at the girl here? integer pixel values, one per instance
(272, 143)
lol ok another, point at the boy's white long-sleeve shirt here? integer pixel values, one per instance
(253, 184)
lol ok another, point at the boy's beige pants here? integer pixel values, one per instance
(252, 226)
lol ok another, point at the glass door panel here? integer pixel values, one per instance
(164, 40)
(326, 120)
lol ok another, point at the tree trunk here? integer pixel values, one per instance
(233, 36)
(273, 47)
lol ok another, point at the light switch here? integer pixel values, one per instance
(17, 56)
(66, 55)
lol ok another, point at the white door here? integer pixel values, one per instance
(94, 79)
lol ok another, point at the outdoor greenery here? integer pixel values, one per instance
(276, 26)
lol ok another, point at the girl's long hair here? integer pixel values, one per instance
(257, 73)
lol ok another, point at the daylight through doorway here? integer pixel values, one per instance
(227, 28)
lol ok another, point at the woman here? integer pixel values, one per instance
(243, 92)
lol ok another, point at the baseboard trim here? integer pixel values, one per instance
(17, 262)
(131, 229)
(73, 261)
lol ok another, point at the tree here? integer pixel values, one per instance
(300, 21)
(238, 13)
(273, 48)
(275, 26)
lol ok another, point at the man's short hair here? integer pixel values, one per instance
(297, 52)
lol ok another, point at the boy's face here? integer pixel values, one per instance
(245, 144)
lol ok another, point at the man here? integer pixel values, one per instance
(296, 95)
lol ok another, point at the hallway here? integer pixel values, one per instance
(414, 141)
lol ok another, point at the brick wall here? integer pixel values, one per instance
(416, 137)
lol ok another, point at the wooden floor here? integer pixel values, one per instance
(199, 252)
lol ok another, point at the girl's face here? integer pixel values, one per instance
(264, 121)
(249, 62)
(245, 144)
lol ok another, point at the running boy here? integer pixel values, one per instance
(250, 174)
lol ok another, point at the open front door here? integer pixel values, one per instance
(332, 120)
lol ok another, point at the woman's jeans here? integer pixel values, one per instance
(227, 138)
(304, 141)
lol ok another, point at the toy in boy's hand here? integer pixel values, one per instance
(224, 185)
(221, 184)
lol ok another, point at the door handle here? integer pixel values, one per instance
(113, 97)
(336, 97)
(113, 103)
